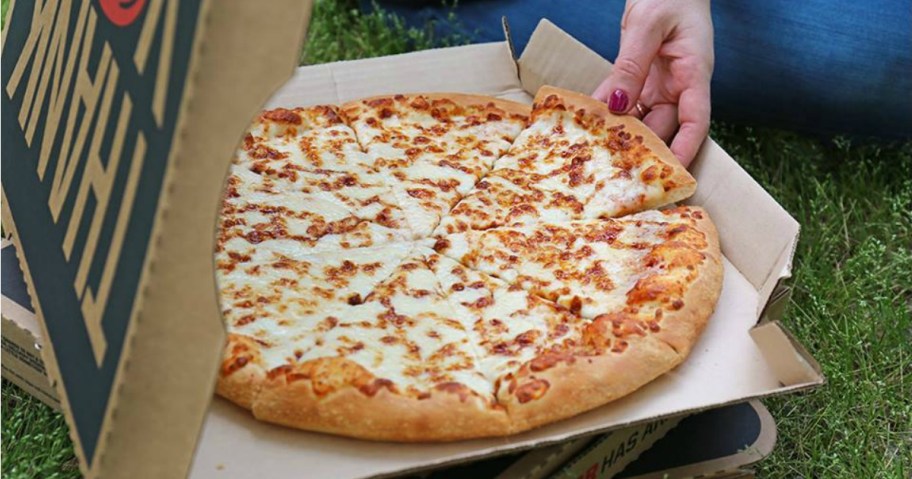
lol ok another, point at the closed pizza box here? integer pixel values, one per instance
(119, 124)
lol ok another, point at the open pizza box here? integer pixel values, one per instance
(116, 234)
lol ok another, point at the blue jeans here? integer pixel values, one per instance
(824, 66)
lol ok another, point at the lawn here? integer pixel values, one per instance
(852, 304)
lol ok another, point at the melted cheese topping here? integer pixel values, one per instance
(587, 266)
(324, 246)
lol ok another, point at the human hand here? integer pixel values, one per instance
(664, 65)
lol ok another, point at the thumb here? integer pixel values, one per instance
(640, 42)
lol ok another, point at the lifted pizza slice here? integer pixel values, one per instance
(576, 160)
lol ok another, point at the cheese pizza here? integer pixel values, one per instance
(437, 267)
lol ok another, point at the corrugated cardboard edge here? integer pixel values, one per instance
(656, 430)
(47, 353)
(180, 262)
(118, 415)
(21, 331)
(733, 464)
(21, 373)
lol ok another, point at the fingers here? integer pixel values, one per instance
(663, 120)
(693, 115)
(640, 42)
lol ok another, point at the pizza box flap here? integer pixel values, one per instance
(485, 68)
(727, 365)
(128, 305)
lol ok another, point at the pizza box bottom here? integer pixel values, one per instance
(709, 443)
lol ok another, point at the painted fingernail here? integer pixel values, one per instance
(618, 102)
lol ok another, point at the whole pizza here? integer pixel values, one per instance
(437, 267)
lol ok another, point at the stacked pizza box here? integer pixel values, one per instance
(411, 270)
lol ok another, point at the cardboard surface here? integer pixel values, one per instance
(21, 357)
(726, 366)
(610, 454)
(717, 441)
(118, 136)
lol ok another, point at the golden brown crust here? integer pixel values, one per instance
(461, 99)
(467, 100)
(581, 383)
(291, 399)
(241, 374)
(682, 328)
(684, 184)
(385, 416)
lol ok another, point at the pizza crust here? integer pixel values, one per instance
(586, 382)
(682, 328)
(240, 379)
(382, 415)
(461, 99)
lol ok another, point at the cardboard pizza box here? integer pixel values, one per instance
(714, 443)
(119, 124)
(20, 359)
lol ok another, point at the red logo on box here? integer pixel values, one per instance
(122, 12)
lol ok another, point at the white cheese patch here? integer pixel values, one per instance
(285, 303)
(507, 326)
(591, 275)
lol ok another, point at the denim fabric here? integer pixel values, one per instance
(825, 66)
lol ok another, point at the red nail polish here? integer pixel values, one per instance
(618, 102)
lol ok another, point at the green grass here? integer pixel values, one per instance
(35, 440)
(851, 305)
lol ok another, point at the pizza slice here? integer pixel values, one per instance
(546, 363)
(316, 212)
(283, 142)
(510, 197)
(660, 269)
(433, 148)
(508, 325)
(397, 366)
(461, 132)
(578, 159)
(276, 309)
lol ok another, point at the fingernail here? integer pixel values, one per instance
(618, 102)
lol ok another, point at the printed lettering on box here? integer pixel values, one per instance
(91, 92)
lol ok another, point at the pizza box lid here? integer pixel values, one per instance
(119, 120)
(113, 207)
